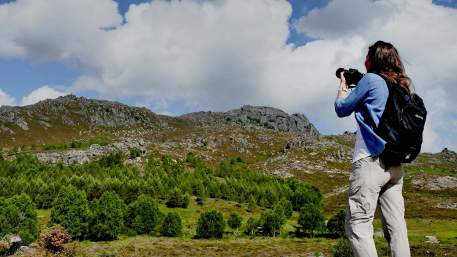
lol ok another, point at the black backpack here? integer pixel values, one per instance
(401, 126)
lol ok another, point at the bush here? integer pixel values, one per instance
(336, 223)
(305, 195)
(171, 225)
(251, 203)
(310, 219)
(234, 221)
(251, 227)
(54, 239)
(108, 217)
(18, 216)
(210, 225)
(71, 210)
(111, 160)
(134, 152)
(143, 215)
(287, 207)
(342, 248)
(178, 199)
(271, 223)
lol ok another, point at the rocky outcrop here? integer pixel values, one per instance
(259, 117)
(94, 151)
(435, 183)
(71, 111)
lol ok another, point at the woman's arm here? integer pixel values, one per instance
(345, 103)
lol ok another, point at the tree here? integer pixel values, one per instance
(287, 206)
(336, 223)
(252, 203)
(310, 219)
(71, 210)
(18, 216)
(305, 195)
(178, 199)
(210, 224)
(108, 217)
(251, 227)
(234, 221)
(271, 223)
(143, 215)
(171, 225)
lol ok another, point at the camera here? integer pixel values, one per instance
(352, 76)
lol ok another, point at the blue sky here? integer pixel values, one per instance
(20, 76)
(224, 75)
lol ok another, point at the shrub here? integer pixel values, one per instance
(171, 225)
(287, 207)
(54, 238)
(342, 248)
(336, 223)
(310, 219)
(271, 223)
(251, 203)
(305, 195)
(143, 215)
(210, 224)
(108, 217)
(251, 227)
(71, 210)
(134, 152)
(234, 221)
(178, 199)
(18, 216)
(111, 160)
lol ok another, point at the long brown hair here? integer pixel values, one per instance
(385, 60)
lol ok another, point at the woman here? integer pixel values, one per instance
(371, 182)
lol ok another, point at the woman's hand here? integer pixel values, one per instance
(343, 85)
(343, 90)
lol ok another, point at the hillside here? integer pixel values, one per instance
(75, 130)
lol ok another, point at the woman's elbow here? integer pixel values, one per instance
(341, 111)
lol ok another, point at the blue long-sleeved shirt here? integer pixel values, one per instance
(368, 100)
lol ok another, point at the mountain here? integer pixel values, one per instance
(71, 117)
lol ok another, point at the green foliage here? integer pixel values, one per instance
(111, 160)
(171, 225)
(71, 210)
(271, 222)
(310, 219)
(210, 224)
(286, 206)
(342, 248)
(178, 199)
(18, 216)
(234, 221)
(251, 203)
(108, 217)
(134, 152)
(336, 223)
(304, 195)
(143, 215)
(251, 227)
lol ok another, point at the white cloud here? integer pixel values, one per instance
(42, 93)
(224, 53)
(6, 99)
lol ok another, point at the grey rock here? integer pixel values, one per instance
(435, 182)
(256, 117)
(432, 239)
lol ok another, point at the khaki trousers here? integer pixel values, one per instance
(371, 184)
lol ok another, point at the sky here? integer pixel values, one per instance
(176, 57)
